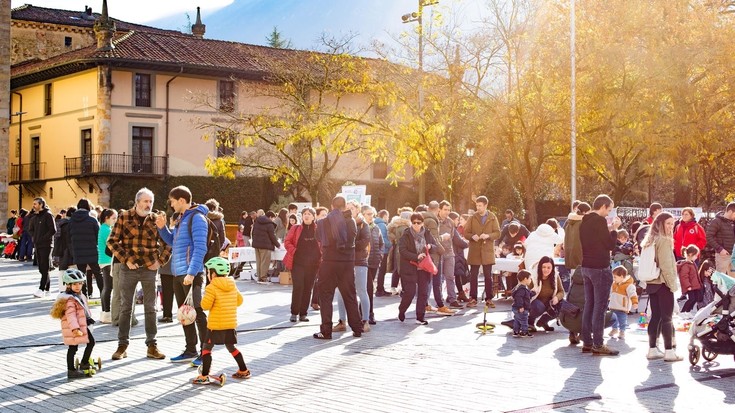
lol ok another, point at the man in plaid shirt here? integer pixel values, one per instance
(135, 243)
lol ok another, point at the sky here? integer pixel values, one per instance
(250, 21)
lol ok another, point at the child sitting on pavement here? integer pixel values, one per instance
(623, 297)
(71, 308)
(521, 305)
(221, 299)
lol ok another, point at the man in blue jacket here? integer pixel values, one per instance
(382, 222)
(187, 263)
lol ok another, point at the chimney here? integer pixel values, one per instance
(198, 29)
(104, 29)
(88, 10)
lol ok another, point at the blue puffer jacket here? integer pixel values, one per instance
(384, 231)
(188, 256)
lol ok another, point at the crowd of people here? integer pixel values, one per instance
(349, 249)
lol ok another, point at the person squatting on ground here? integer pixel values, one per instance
(598, 240)
(412, 247)
(481, 229)
(336, 234)
(44, 228)
(623, 298)
(547, 292)
(661, 290)
(689, 278)
(188, 242)
(302, 258)
(71, 308)
(521, 305)
(221, 299)
(135, 242)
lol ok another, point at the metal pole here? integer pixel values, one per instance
(422, 178)
(573, 119)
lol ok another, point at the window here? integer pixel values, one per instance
(142, 90)
(67, 41)
(47, 99)
(35, 157)
(142, 150)
(226, 96)
(86, 150)
(225, 143)
(380, 170)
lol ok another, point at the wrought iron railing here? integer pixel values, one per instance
(115, 164)
(35, 171)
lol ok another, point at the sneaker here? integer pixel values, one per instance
(455, 304)
(120, 353)
(393, 291)
(604, 350)
(586, 349)
(339, 327)
(321, 336)
(293, 318)
(445, 311)
(38, 294)
(184, 357)
(527, 335)
(303, 318)
(382, 294)
(422, 322)
(315, 306)
(670, 355)
(490, 303)
(153, 353)
(105, 317)
(196, 362)
(621, 335)
(654, 354)
(241, 374)
(75, 374)
(613, 332)
(372, 321)
(430, 309)
(472, 303)
(516, 334)
(166, 320)
(203, 380)
(365, 327)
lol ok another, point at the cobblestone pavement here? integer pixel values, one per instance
(397, 367)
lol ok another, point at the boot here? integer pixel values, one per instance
(120, 353)
(153, 353)
(75, 374)
(543, 322)
(670, 355)
(462, 297)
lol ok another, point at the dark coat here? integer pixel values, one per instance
(362, 244)
(721, 234)
(44, 228)
(84, 231)
(218, 220)
(407, 249)
(376, 246)
(62, 245)
(264, 234)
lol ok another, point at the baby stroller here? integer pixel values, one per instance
(713, 325)
(575, 296)
(9, 249)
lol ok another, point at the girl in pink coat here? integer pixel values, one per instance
(71, 307)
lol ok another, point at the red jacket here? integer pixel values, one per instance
(688, 276)
(291, 244)
(688, 233)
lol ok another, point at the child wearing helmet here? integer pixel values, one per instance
(71, 308)
(221, 299)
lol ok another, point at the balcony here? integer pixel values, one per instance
(107, 164)
(27, 173)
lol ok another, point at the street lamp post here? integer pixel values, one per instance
(573, 116)
(470, 152)
(417, 16)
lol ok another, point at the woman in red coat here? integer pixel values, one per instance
(687, 233)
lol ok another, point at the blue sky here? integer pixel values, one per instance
(250, 21)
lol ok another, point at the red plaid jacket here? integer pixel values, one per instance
(139, 244)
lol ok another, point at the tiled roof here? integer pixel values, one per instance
(28, 12)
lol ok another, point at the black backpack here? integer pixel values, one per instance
(214, 244)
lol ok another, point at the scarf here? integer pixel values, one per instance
(419, 239)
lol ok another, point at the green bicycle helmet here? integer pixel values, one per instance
(220, 266)
(72, 276)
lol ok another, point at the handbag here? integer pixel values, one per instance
(426, 264)
(563, 307)
(187, 314)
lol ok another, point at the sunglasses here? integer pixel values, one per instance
(418, 223)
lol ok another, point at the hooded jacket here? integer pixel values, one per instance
(221, 298)
(667, 263)
(44, 228)
(572, 245)
(73, 316)
(721, 234)
(540, 244)
(688, 276)
(102, 236)
(376, 246)
(84, 233)
(362, 244)
(218, 220)
(188, 254)
(623, 296)
(264, 234)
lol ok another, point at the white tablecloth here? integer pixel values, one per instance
(247, 254)
(511, 264)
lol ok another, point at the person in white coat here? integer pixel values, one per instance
(539, 244)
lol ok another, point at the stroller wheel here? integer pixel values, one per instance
(694, 355)
(708, 355)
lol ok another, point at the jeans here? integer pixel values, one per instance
(25, 247)
(303, 281)
(436, 284)
(597, 284)
(381, 274)
(413, 284)
(520, 320)
(447, 270)
(662, 308)
(200, 324)
(620, 320)
(538, 308)
(487, 274)
(337, 274)
(361, 291)
(167, 294)
(566, 276)
(129, 279)
(44, 255)
(106, 288)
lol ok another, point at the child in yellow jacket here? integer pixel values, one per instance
(623, 297)
(221, 298)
